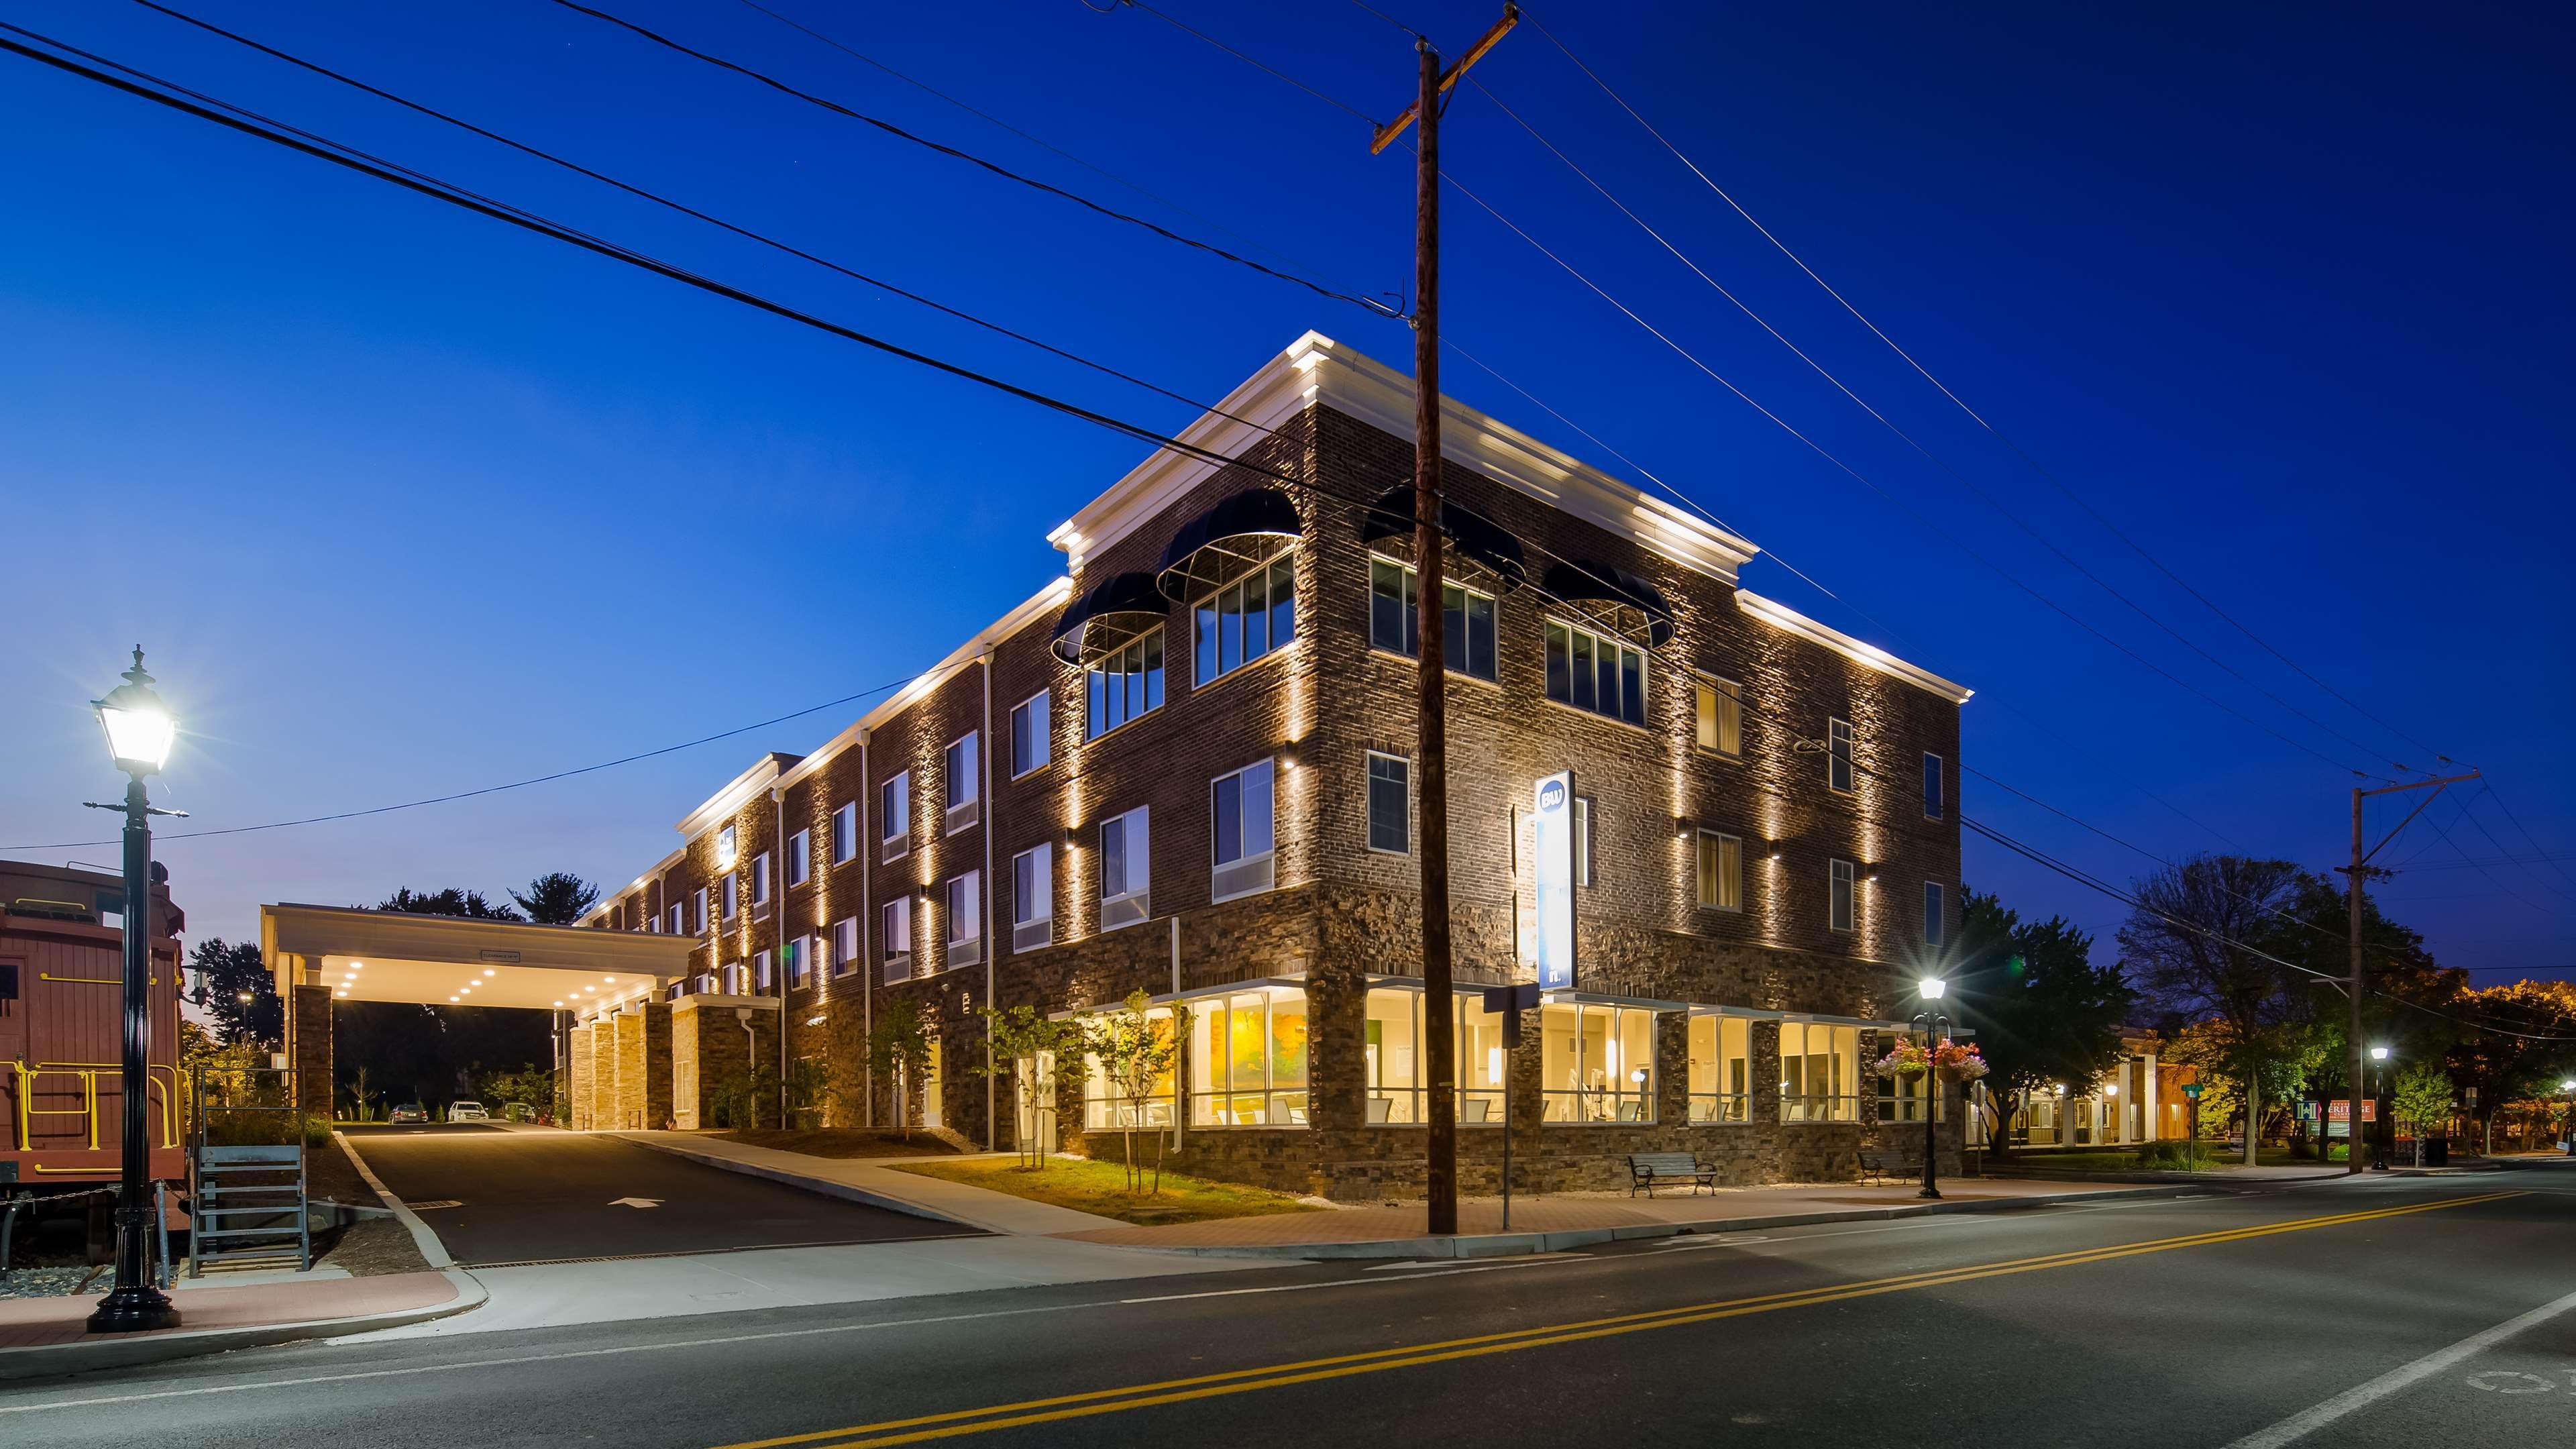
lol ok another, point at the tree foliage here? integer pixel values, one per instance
(227, 972)
(557, 898)
(1136, 1051)
(453, 901)
(899, 1048)
(1020, 1035)
(2043, 1013)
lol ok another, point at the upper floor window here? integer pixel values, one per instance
(1126, 869)
(894, 816)
(1033, 898)
(1125, 684)
(760, 971)
(726, 849)
(1598, 672)
(1390, 804)
(1239, 819)
(1721, 871)
(1249, 617)
(965, 912)
(845, 832)
(894, 926)
(964, 768)
(1029, 743)
(1466, 620)
(1935, 912)
(800, 857)
(845, 945)
(1838, 885)
(701, 914)
(1720, 713)
(1931, 786)
(760, 879)
(1838, 756)
(800, 961)
(677, 929)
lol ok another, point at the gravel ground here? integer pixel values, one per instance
(50, 1282)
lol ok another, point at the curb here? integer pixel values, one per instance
(2205, 1179)
(51, 1360)
(1497, 1245)
(825, 1187)
(431, 1249)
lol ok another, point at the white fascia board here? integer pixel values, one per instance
(1781, 616)
(637, 884)
(1315, 369)
(731, 798)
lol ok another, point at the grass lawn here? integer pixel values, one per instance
(1101, 1187)
(840, 1142)
(2214, 1156)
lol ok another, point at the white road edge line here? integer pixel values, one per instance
(2299, 1426)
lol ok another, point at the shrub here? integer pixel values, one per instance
(2174, 1157)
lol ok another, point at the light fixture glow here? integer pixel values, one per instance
(1931, 988)
(451, 998)
(2379, 1054)
(2110, 1089)
(488, 971)
(138, 726)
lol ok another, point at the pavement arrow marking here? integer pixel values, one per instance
(636, 1202)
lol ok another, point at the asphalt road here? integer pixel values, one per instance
(2203, 1320)
(496, 1196)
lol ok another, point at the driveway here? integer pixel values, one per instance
(496, 1197)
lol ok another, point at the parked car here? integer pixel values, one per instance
(520, 1112)
(467, 1112)
(409, 1112)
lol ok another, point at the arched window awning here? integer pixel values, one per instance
(1107, 616)
(1232, 535)
(1634, 606)
(1472, 535)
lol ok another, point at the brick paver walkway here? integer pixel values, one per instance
(33, 1322)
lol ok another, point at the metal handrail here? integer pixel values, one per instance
(169, 1094)
(26, 1096)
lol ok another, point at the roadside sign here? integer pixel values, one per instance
(2191, 1090)
(1552, 805)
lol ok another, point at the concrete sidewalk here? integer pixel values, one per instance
(873, 1180)
(40, 1337)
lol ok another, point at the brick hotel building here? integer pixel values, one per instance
(1186, 768)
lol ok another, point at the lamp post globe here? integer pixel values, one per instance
(139, 731)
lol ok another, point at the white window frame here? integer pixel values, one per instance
(1034, 932)
(1936, 782)
(1135, 901)
(1199, 606)
(1412, 584)
(760, 880)
(963, 765)
(1839, 775)
(897, 956)
(1599, 637)
(894, 816)
(1936, 909)
(679, 918)
(846, 945)
(845, 833)
(1842, 1055)
(728, 896)
(1251, 872)
(1368, 800)
(1720, 688)
(1584, 856)
(800, 858)
(1148, 689)
(1035, 712)
(1842, 896)
(964, 927)
(701, 916)
(728, 848)
(761, 979)
(1721, 839)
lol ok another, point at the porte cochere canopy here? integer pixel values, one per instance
(361, 955)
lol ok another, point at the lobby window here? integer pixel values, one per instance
(894, 817)
(1392, 1066)
(1596, 672)
(1721, 871)
(760, 879)
(1248, 618)
(1106, 1106)
(1239, 821)
(1718, 708)
(1931, 786)
(1467, 620)
(1819, 1072)
(965, 920)
(726, 849)
(1126, 869)
(800, 857)
(1033, 898)
(845, 833)
(725, 895)
(1935, 912)
(1901, 1099)
(845, 945)
(1597, 1063)
(1247, 1060)
(1721, 1069)
(1838, 897)
(894, 937)
(1125, 685)
(1390, 804)
(1838, 756)
(1030, 749)
(964, 782)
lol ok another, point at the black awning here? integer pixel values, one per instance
(1220, 543)
(1590, 581)
(1471, 533)
(1112, 612)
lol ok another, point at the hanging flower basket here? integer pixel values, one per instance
(1955, 1062)
(1959, 1063)
(1907, 1060)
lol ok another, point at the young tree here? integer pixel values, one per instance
(2042, 1011)
(557, 898)
(899, 1048)
(228, 972)
(2422, 1099)
(2195, 944)
(1020, 1035)
(1136, 1052)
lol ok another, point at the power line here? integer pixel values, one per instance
(1258, 65)
(2538, 849)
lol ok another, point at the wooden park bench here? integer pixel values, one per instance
(1873, 1168)
(1652, 1169)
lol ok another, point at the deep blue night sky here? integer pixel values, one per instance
(417, 503)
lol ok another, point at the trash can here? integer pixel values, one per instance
(2437, 1152)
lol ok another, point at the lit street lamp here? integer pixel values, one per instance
(2569, 1087)
(2378, 1066)
(1932, 1024)
(139, 734)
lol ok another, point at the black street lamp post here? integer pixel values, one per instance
(1933, 1025)
(139, 732)
(2378, 1147)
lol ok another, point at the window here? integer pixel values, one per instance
(1721, 1069)
(725, 895)
(1597, 672)
(726, 849)
(845, 833)
(1931, 786)
(1819, 1072)
(760, 879)
(894, 937)
(760, 971)
(1248, 618)
(1721, 872)
(963, 792)
(653, 924)
(1392, 1069)
(1719, 706)
(1126, 869)
(1597, 1063)
(800, 857)
(1033, 898)
(1839, 903)
(677, 927)
(1934, 915)
(1125, 684)
(965, 915)
(1838, 757)
(700, 915)
(1583, 857)
(800, 962)
(1466, 620)
(1390, 804)
(1106, 1107)
(845, 945)
(1900, 1099)
(894, 817)
(1029, 744)
(1247, 1060)
(1239, 820)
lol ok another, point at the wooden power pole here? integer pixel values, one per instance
(1431, 765)
(2354, 874)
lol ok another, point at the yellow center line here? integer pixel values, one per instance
(1137, 1396)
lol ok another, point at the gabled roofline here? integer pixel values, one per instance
(1779, 615)
(735, 792)
(647, 878)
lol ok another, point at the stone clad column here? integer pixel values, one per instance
(308, 1047)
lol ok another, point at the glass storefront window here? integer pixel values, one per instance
(1721, 1069)
(1597, 1063)
(1900, 1099)
(1392, 1077)
(1247, 1060)
(1819, 1072)
(1106, 1108)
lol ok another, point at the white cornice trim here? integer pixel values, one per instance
(1780, 615)
(734, 795)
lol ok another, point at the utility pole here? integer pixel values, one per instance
(1431, 768)
(2354, 874)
